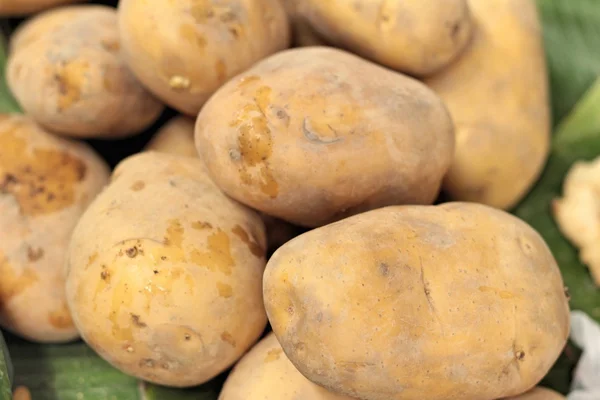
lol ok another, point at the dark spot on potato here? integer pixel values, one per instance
(384, 269)
(567, 293)
(137, 186)
(228, 338)
(61, 318)
(290, 310)
(137, 321)
(273, 355)
(187, 336)
(254, 247)
(105, 276)
(520, 355)
(34, 255)
(201, 225)
(155, 272)
(164, 365)
(131, 252)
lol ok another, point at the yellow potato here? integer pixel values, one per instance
(45, 185)
(164, 273)
(418, 37)
(315, 134)
(184, 50)
(539, 393)
(265, 373)
(498, 96)
(175, 137)
(457, 301)
(23, 7)
(73, 81)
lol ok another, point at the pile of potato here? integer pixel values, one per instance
(344, 120)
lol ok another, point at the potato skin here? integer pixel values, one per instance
(23, 7)
(265, 373)
(88, 91)
(457, 301)
(183, 53)
(497, 93)
(315, 134)
(164, 273)
(175, 137)
(45, 185)
(539, 393)
(418, 37)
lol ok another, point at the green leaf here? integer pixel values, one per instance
(5, 372)
(7, 102)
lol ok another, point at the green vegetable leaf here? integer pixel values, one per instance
(5, 372)
(7, 102)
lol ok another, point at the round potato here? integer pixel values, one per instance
(315, 134)
(265, 373)
(539, 393)
(73, 81)
(183, 51)
(45, 185)
(457, 301)
(175, 137)
(497, 93)
(164, 272)
(418, 37)
(23, 7)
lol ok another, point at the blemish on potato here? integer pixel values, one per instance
(178, 82)
(12, 285)
(137, 186)
(70, 78)
(34, 255)
(131, 252)
(137, 321)
(61, 318)
(111, 45)
(503, 294)
(174, 235)
(201, 10)
(221, 70)
(323, 135)
(189, 33)
(200, 225)
(246, 80)
(224, 289)
(218, 256)
(273, 355)
(146, 362)
(227, 337)
(254, 247)
(92, 259)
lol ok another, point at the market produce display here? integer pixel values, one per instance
(299, 199)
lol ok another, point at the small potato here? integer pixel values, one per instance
(313, 135)
(175, 137)
(418, 37)
(265, 373)
(72, 79)
(497, 93)
(539, 393)
(23, 7)
(183, 51)
(457, 301)
(45, 185)
(164, 273)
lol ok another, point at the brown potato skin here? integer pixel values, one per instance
(497, 93)
(539, 393)
(184, 53)
(46, 183)
(164, 272)
(315, 134)
(175, 137)
(456, 301)
(88, 91)
(12, 8)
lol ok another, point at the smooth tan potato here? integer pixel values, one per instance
(165, 272)
(23, 7)
(539, 393)
(73, 81)
(497, 93)
(457, 301)
(45, 185)
(183, 51)
(315, 134)
(175, 137)
(265, 373)
(418, 37)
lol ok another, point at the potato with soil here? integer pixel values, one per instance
(183, 51)
(10, 8)
(265, 373)
(313, 135)
(539, 393)
(457, 301)
(164, 272)
(72, 80)
(175, 137)
(45, 185)
(497, 93)
(418, 37)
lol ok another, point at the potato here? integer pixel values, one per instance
(457, 301)
(183, 51)
(23, 7)
(418, 37)
(302, 33)
(175, 137)
(497, 93)
(539, 393)
(164, 273)
(315, 134)
(45, 185)
(265, 373)
(72, 80)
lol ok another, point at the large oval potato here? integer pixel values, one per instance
(539, 393)
(315, 134)
(183, 51)
(265, 373)
(23, 7)
(164, 272)
(457, 301)
(175, 137)
(45, 185)
(73, 80)
(418, 37)
(497, 93)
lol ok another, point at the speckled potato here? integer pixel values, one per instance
(45, 185)
(315, 134)
(73, 81)
(175, 137)
(497, 93)
(539, 393)
(184, 50)
(164, 272)
(265, 373)
(457, 301)
(418, 37)
(23, 7)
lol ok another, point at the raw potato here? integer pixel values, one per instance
(497, 93)
(45, 185)
(457, 301)
(539, 393)
(184, 50)
(72, 79)
(313, 135)
(175, 137)
(164, 273)
(23, 7)
(418, 37)
(576, 213)
(265, 373)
